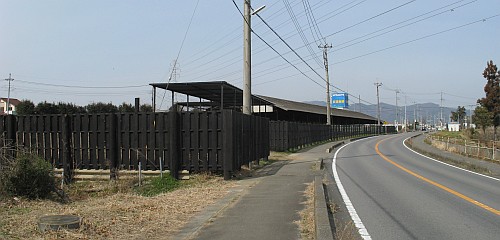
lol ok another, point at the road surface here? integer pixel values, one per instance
(398, 194)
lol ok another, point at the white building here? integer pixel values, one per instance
(11, 109)
(453, 127)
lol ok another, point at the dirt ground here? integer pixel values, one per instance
(112, 212)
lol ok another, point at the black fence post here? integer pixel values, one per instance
(11, 135)
(174, 144)
(113, 147)
(66, 140)
(228, 148)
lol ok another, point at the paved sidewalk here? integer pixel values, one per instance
(494, 168)
(265, 207)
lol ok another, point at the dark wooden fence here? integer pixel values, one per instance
(291, 135)
(217, 141)
(220, 141)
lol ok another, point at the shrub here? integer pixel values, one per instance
(28, 176)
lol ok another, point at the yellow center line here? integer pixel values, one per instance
(468, 199)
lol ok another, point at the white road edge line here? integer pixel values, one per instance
(350, 207)
(496, 179)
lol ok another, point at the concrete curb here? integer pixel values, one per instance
(336, 145)
(321, 219)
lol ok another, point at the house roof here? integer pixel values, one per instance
(12, 101)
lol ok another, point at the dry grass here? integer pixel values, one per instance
(113, 211)
(277, 156)
(346, 232)
(307, 223)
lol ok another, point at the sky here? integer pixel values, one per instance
(111, 50)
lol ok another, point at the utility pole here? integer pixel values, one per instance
(406, 120)
(397, 108)
(10, 79)
(359, 103)
(377, 84)
(441, 110)
(470, 116)
(247, 60)
(328, 105)
(415, 116)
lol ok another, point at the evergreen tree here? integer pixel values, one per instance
(46, 108)
(25, 107)
(101, 108)
(482, 118)
(492, 89)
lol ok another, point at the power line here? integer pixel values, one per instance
(297, 55)
(371, 18)
(274, 68)
(392, 30)
(274, 48)
(179, 53)
(311, 20)
(417, 39)
(399, 23)
(288, 45)
(300, 31)
(84, 87)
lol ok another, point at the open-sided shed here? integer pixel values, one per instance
(222, 95)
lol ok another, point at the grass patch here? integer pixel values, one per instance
(446, 134)
(158, 185)
(114, 210)
(460, 164)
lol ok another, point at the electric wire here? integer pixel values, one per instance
(301, 32)
(179, 53)
(313, 25)
(417, 39)
(275, 49)
(337, 48)
(76, 86)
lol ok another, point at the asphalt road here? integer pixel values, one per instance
(399, 194)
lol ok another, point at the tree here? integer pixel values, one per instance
(101, 108)
(69, 108)
(482, 118)
(146, 108)
(126, 107)
(459, 115)
(46, 108)
(25, 107)
(492, 89)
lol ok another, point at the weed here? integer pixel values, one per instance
(346, 232)
(158, 185)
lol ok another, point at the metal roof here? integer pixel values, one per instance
(232, 96)
(213, 91)
(288, 105)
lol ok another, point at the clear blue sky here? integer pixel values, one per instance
(110, 43)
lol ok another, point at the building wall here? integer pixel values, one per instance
(3, 107)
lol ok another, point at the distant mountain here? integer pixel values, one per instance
(427, 112)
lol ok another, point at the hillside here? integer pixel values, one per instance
(428, 112)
